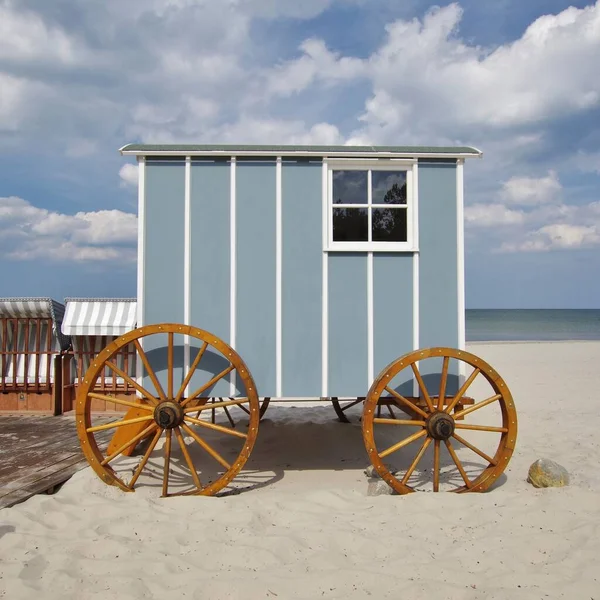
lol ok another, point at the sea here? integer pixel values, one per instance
(532, 324)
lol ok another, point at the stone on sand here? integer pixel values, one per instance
(545, 473)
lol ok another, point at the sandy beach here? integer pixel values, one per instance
(308, 530)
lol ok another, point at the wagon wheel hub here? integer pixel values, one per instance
(168, 415)
(440, 426)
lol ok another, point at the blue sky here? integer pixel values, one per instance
(517, 79)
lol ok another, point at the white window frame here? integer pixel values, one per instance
(410, 167)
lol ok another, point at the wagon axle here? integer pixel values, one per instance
(440, 426)
(168, 415)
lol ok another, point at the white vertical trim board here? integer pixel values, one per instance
(278, 277)
(187, 265)
(460, 260)
(232, 266)
(325, 281)
(370, 321)
(414, 199)
(460, 238)
(414, 202)
(141, 253)
(416, 313)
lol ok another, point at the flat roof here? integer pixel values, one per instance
(321, 151)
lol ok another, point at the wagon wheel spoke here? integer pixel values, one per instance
(119, 423)
(120, 401)
(422, 386)
(463, 389)
(483, 455)
(443, 381)
(477, 406)
(407, 402)
(206, 446)
(436, 465)
(415, 462)
(188, 458)
(167, 447)
(132, 382)
(191, 372)
(130, 442)
(405, 442)
(457, 463)
(149, 370)
(482, 428)
(145, 458)
(208, 384)
(215, 427)
(199, 409)
(386, 421)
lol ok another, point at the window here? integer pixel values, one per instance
(370, 207)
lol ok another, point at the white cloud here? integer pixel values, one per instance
(24, 36)
(492, 215)
(560, 236)
(424, 73)
(29, 233)
(317, 63)
(129, 175)
(531, 191)
(587, 162)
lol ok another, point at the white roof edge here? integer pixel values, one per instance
(357, 155)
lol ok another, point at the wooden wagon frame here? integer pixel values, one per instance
(320, 265)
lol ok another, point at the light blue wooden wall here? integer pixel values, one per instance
(255, 265)
(302, 257)
(210, 199)
(164, 259)
(302, 276)
(438, 262)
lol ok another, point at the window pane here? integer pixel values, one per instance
(389, 225)
(350, 187)
(389, 187)
(350, 225)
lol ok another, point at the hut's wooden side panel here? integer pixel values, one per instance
(302, 278)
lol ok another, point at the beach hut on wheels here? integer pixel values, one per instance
(92, 324)
(31, 347)
(301, 272)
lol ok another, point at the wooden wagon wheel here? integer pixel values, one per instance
(169, 413)
(433, 420)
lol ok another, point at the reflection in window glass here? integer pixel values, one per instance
(388, 187)
(350, 225)
(350, 187)
(389, 225)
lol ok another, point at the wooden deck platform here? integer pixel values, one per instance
(37, 453)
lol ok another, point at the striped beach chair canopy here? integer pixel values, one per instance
(99, 316)
(30, 334)
(92, 324)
